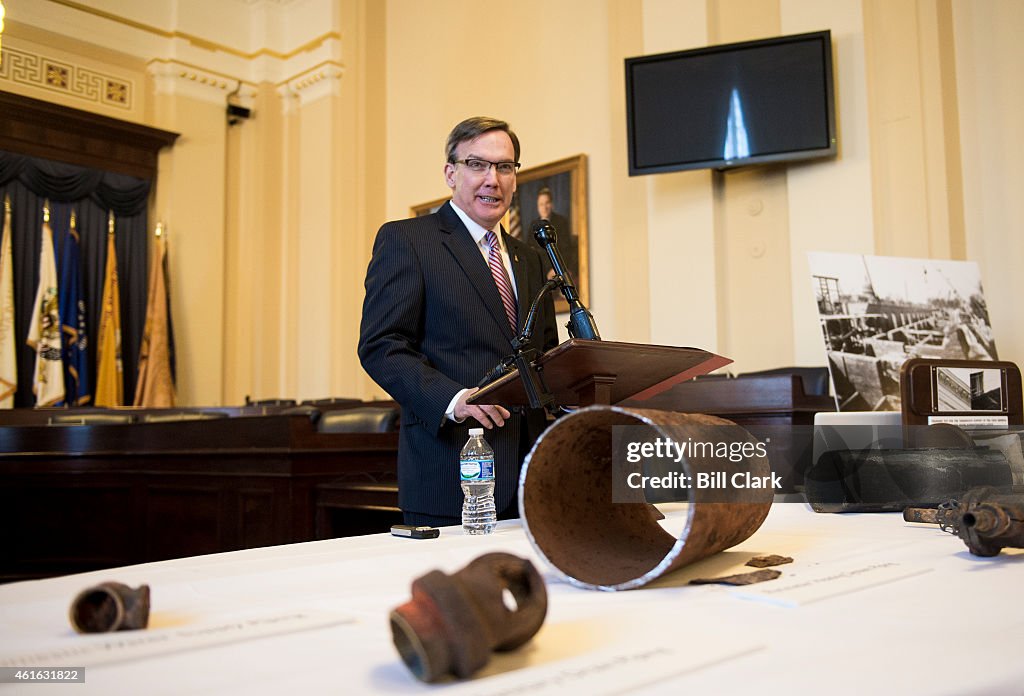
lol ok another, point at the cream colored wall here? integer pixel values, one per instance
(684, 306)
(830, 203)
(557, 78)
(912, 81)
(989, 56)
(253, 277)
(271, 221)
(751, 227)
(314, 196)
(191, 202)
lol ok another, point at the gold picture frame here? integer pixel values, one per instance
(563, 183)
(428, 207)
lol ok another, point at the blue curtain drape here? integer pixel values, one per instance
(29, 181)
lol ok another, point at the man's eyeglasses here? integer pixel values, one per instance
(480, 166)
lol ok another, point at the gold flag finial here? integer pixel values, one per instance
(7, 203)
(159, 229)
(46, 210)
(110, 222)
(72, 218)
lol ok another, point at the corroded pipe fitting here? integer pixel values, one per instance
(453, 622)
(989, 521)
(110, 606)
(574, 521)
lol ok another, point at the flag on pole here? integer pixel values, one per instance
(155, 386)
(109, 379)
(8, 354)
(44, 331)
(72, 319)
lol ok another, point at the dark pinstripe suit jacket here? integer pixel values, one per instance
(433, 324)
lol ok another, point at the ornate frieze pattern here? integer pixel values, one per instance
(77, 81)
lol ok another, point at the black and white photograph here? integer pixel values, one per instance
(962, 389)
(877, 312)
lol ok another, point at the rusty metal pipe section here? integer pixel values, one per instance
(110, 606)
(453, 622)
(568, 512)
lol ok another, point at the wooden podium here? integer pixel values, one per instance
(582, 373)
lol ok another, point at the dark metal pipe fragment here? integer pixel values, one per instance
(570, 517)
(990, 521)
(453, 622)
(110, 606)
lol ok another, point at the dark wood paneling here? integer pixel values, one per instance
(185, 520)
(81, 535)
(259, 517)
(42, 129)
(82, 497)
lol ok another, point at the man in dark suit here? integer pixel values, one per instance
(442, 298)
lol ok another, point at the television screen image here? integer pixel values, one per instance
(731, 105)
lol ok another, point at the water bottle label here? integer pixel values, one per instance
(476, 469)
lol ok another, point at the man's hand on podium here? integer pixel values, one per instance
(488, 415)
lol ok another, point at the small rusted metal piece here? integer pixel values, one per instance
(110, 606)
(945, 516)
(751, 578)
(769, 560)
(566, 498)
(453, 622)
(922, 515)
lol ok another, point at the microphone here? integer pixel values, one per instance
(581, 322)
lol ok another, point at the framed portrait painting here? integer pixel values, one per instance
(557, 192)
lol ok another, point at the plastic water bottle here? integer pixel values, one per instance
(476, 470)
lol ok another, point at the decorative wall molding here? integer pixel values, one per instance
(77, 81)
(289, 99)
(316, 83)
(200, 42)
(177, 78)
(214, 50)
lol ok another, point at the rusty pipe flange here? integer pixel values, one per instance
(110, 606)
(453, 622)
(570, 518)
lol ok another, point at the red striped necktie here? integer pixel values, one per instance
(508, 298)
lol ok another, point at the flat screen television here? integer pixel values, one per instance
(731, 105)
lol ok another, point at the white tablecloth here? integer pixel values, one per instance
(871, 603)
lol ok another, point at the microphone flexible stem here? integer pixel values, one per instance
(531, 316)
(581, 322)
